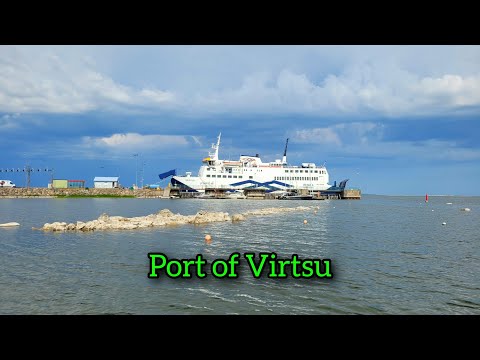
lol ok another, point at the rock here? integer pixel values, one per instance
(162, 218)
(206, 217)
(9, 224)
(165, 213)
(103, 217)
(238, 217)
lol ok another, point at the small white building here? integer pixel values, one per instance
(105, 182)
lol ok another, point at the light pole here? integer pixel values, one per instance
(136, 169)
(141, 179)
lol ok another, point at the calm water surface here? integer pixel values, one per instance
(390, 255)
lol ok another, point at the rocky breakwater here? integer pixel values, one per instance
(73, 192)
(162, 218)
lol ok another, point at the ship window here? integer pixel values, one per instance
(296, 171)
(224, 176)
(234, 176)
(229, 176)
(208, 169)
(250, 177)
(286, 171)
(315, 171)
(301, 171)
(208, 175)
(241, 177)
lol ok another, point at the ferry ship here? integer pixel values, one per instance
(251, 172)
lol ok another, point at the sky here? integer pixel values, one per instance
(394, 120)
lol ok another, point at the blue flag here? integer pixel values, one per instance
(167, 174)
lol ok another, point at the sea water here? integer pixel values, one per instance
(388, 254)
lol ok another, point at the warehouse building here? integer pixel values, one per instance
(107, 182)
(67, 184)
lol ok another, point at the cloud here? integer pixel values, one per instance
(335, 82)
(8, 121)
(455, 90)
(319, 136)
(197, 141)
(365, 140)
(375, 89)
(135, 142)
(340, 134)
(49, 84)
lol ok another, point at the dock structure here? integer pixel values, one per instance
(334, 192)
(216, 193)
(255, 193)
(353, 194)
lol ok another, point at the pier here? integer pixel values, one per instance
(258, 193)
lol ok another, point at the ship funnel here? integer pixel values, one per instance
(284, 160)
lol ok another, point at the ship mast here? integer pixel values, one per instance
(214, 155)
(284, 160)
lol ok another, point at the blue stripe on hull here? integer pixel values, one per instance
(268, 184)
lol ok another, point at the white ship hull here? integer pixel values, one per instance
(250, 171)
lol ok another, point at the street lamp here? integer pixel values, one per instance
(142, 172)
(136, 169)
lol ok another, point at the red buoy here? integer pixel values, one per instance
(426, 197)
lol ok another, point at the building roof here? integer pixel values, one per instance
(105, 178)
